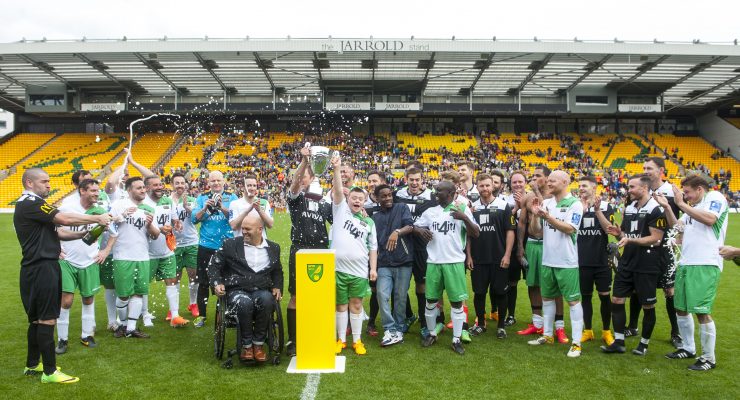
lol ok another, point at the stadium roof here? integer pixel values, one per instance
(687, 74)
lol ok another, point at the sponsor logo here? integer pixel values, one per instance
(575, 219)
(484, 219)
(588, 223)
(633, 226)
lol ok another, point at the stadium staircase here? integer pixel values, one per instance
(68, 153)
(167, 156)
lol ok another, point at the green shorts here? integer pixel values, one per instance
(186, 257)
(131, 277)
(106, 273)
(87, 280)
(350, 286)
(449, 277)
(162, 268)
(696, 288)
(533, 251)
(556, 282)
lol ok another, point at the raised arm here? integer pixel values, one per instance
(336, 185)
(142, 169)
(295, 185)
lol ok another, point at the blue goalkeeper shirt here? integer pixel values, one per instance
(214, 228)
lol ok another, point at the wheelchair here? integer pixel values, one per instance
(226, 320)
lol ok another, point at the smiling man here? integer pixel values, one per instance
(354, 239)
(445, 227)
(561, 217)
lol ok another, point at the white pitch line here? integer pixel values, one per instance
(312, 387)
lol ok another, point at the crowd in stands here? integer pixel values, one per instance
(273, 164)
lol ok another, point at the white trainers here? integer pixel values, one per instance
(575, 350)
(148, 320)
(390, 338)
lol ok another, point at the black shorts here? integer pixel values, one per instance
(600, 276)
(485, 276)
(41, 290)
(667, 278)
(516, 271)
(419, 267)
(644, 284)
(204, 258)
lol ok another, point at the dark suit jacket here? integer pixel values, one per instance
(229, 267)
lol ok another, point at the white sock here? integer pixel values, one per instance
(686, 329)
(708, 338)
(618, 335)
(644, 341)
(135, 306)
(122, 309)
(537, 321)
(342, 319)
(576, 322)
(63, 324)
(355, 322)
(193, 288)
(560, 324)
(548, 311)
(145, 304)
(173, 297)
(88, 319)
(458, 318)
(430, 314)
(110, 305)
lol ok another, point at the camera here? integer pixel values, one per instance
(216, 197)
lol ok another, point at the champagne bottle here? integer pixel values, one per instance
(93, 235)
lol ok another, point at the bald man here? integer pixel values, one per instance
(561, 217)
(35, 224)
(247, 270)
(212, 213)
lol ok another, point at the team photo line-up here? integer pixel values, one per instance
(500, 229)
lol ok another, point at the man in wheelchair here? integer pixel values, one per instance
(247, 271)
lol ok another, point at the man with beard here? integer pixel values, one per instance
(489, 255)
(594, 268)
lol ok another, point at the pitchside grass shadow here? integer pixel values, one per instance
(179, 363)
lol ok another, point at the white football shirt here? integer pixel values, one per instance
(701, 243)
(449, 235)
(352, 237)
(560, 250)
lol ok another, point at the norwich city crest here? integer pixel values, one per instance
(315, 271)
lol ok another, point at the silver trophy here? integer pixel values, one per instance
(318, 161)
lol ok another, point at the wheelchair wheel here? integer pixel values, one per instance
(275, 334)
(219, 330)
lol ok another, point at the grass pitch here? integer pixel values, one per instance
(180, 363)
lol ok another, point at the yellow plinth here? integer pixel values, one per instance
(315, 309)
